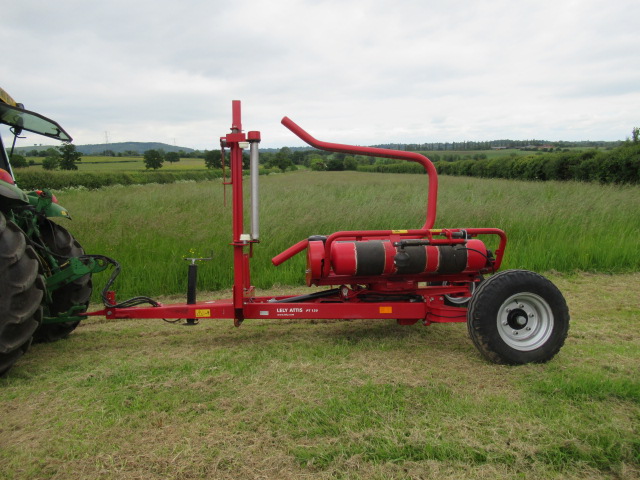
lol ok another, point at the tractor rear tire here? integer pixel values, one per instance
(517, 317)
(62, 243)
(21, 292)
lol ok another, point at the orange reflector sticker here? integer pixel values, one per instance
(386, 309)
(202, 313)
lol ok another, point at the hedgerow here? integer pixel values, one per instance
(404, 167)
(620, 165)
(58, 180)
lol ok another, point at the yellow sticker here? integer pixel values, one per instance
(202, 313)
(399, 231)
(437, 232)
(386, 309)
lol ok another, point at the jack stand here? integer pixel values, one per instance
(192, 282)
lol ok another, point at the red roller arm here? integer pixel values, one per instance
(290, 252)
(378, 152)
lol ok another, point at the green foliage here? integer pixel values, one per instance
(172, 157)
(69, 156)
(213, 159)
(402, 167)
(350, 163)
(317, 164)
(19, 161)
(620, 165)
(297, 157)
(335, 164)
(282, 160)
(153, 159)
(38, 179)
(51, 162)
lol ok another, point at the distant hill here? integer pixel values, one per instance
(121, 147)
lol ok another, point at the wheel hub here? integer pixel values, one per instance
(517, 319)
(525, 321)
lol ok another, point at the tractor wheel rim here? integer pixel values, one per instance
(525, 321)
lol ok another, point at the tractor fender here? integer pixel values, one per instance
(47, 204)
(56, 210)
(11, 195)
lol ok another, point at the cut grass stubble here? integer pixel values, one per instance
(331, 399)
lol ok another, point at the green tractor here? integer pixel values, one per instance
(45, 276)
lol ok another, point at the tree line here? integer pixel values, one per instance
(465, 146)
(617, 165)
(620, 165)
(63, 157)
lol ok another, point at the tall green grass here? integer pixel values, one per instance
(149, 229)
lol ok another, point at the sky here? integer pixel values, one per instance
(360, 72)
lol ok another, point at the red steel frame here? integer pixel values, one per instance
(344, 302)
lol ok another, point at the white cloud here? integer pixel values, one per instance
(350, 71)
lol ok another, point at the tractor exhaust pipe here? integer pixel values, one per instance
(254, 140)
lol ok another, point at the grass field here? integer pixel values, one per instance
(334, 399)
(149, 229)
(328, 399)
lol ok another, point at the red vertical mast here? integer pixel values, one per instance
(236, 141)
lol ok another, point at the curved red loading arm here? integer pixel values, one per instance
(432, 199)
(371, 152)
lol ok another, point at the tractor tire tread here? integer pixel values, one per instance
(22, 290)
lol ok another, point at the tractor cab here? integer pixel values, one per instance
(14, 115)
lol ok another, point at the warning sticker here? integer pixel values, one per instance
(386, 309)
(203, 312)
(399, 231)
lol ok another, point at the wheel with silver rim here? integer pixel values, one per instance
(517, 317)
(525, 321)
(459, 301)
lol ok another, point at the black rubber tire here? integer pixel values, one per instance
(61, 242)
(21, 292)
(517, 317)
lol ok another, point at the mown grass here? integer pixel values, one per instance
(564, 226)
(328, 399)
